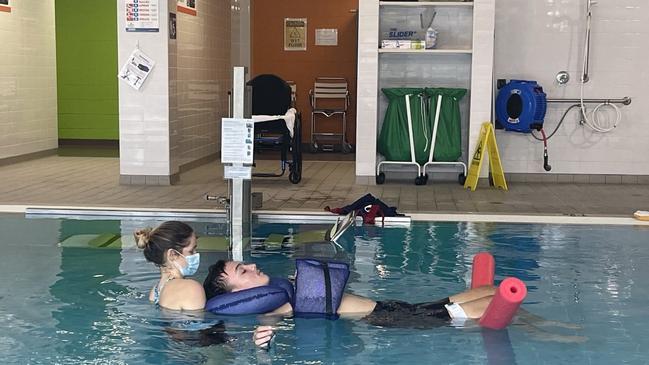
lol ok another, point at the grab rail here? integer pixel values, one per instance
(625, 100)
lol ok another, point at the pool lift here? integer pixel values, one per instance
(238, 203)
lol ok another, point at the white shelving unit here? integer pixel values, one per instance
(463, 59)
(425, 51)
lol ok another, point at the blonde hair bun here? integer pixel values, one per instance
(142, 237)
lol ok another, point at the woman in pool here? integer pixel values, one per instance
(172, 247)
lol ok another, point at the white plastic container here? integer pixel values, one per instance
(431, 38)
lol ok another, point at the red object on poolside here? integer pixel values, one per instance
(484, 268)
(505, 303)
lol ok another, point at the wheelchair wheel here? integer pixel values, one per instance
(313, 147)
(295, 168)
(346, 148)
(294, 177)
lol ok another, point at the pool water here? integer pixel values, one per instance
(61, 305)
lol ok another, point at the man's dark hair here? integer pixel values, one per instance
(215, 283)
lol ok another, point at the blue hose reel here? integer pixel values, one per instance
(521, 106)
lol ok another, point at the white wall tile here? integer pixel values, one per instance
(144, 112)
(537, 39)
(204, 58)
(28, 95)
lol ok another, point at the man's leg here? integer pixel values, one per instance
(473, 294)
(474, 309)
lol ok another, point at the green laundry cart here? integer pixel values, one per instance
(406, 130)
(444, 115)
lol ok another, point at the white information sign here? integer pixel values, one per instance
(237, 172)
(326, 37)
(237, 140)
(142, 16)
(136, 70)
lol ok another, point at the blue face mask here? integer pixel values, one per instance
(193, 261)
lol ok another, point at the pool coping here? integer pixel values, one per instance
(315, 216)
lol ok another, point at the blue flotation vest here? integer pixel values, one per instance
(319, 287)
(318, 291)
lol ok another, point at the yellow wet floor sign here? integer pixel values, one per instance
(487, 143)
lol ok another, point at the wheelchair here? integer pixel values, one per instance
(272, 96)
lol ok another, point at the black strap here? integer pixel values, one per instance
(327, 280)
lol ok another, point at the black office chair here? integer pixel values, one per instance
(272, 96)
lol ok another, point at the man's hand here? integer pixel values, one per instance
(262, 336)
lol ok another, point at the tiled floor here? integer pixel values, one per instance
(93, 181)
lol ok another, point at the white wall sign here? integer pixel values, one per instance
(237, 140)
(237, 172)
(136, 70)
(142, 16)
(326, 37)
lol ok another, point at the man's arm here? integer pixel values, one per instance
(263, 334)
(355, 306)
(351, 306)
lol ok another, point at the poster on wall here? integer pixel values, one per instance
(172, 25)
(295, 34)
(136, 69)
(326, 37)
(187, 7)
(142, 16)
(4, 6)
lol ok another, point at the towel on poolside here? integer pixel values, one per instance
(289, 119)
(367, 207)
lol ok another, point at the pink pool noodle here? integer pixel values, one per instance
(483, 270)
(505, 303)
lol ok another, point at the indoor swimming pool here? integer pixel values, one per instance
(61, 304)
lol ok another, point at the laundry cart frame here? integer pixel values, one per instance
(422, 175)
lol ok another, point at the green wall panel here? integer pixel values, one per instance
(86, 56)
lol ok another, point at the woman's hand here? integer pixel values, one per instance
(262, 336)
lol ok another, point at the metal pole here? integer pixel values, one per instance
(239, 189)
(625, 100)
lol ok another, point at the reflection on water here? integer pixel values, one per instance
(80, 305)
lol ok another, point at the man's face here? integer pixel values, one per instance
(241, 276)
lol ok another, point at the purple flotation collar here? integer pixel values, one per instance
(258, 300)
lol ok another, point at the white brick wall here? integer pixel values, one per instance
(175, 118)
(202, 79)
(28, 110)
(144, 114)
(367, 87)
(537, 39)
